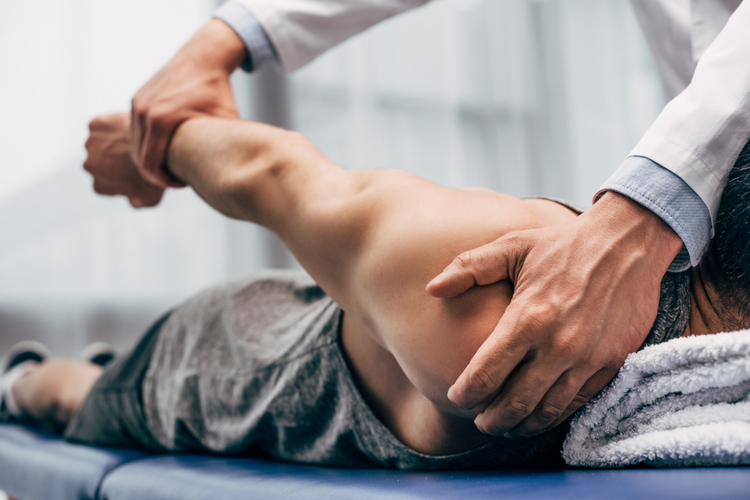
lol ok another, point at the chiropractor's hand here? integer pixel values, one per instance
(195, 82)
(110, 164)
(586, 295)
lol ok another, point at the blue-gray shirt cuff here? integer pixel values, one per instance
(259, 47)
(668, 196)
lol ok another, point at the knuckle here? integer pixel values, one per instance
(104, 188)
(518, 409)
(604, 362)
(544, 310)
(490, 428)
(140, 109)
(579, 400)
(515, 242)
(95, 124)
(493, 422)
(480, 380)
(512, 239)
(535, 319)
(158, 114)
(464, 260)
(615, 360)
(548, 411)
(567, 346)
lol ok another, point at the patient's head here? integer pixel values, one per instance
(726, 264)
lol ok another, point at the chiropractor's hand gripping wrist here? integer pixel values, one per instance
(195, 82)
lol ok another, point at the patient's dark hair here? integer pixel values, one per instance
(726, 263)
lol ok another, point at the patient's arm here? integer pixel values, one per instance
(372, 240)
(278, 179)
(369, 238)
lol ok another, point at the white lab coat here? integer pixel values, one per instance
(702, 49)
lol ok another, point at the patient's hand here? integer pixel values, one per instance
(110, 164)
(586, 295)
(194, 82)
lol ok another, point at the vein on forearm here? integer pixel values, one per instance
(278, 179)
(241, 169)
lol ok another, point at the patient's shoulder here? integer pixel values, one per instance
(421, 228)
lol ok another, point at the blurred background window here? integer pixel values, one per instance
(528, 97)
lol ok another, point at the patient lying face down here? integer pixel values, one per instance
(351, 369)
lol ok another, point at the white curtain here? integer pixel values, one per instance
(530, 97)
(75, 266)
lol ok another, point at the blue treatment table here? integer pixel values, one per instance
(35, 465)
(39, 466)
(234, 479)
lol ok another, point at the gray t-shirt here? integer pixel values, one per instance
(257, 365)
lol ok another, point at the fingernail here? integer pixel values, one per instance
(435, 280)
(454, 397)
(452, 394)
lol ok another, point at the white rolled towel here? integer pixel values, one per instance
(685, 402)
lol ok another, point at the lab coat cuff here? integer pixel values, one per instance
(670, 198)
(260, 50)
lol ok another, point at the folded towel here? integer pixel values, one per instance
(681, 403)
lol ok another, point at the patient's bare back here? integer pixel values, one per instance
(421, 342)
(372, 240)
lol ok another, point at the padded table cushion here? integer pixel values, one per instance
(35, 465)
(201, 477)
(39, 466)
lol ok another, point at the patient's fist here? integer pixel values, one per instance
(109, 162)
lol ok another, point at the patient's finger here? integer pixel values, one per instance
(146, 198)
(482, 266)
(498, 356)
(555, 403)
(104, 188)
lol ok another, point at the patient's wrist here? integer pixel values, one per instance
(173, 165)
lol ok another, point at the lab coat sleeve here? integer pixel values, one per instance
(701, 132)
(243, 22)
(301, 30)
(669, 197)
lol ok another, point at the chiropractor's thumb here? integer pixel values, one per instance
(485, 265)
